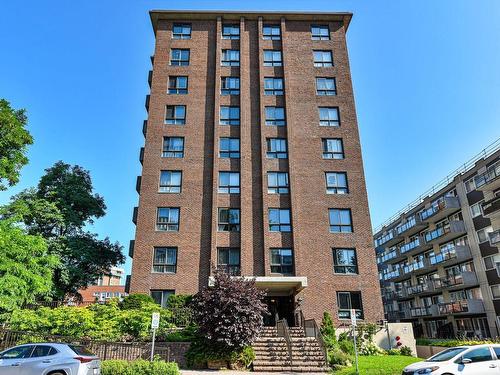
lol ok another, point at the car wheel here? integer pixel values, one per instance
(57, 373)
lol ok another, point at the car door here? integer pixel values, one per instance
(482, 362)
(41, 358)
(11, 359)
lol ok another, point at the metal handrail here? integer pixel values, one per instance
(282, 329)
(311, 329)
(485, 153)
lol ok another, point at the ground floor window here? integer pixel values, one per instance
(347, 301)
(161, 296)
(473, 327)
(438, 328)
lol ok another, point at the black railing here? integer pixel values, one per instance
(311, 329)
(282, 329)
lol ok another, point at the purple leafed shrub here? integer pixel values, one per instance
(229, 314)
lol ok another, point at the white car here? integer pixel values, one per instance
(49, 358)
(461, 360)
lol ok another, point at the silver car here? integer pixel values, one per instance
(49, 358)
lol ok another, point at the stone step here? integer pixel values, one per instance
(297, 363)
(309, 369)
(305, 358)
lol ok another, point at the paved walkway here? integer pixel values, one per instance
(230, 372)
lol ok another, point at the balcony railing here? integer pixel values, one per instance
(445, 205)
(471, 306)
(491, 207)
(395, 315)
(391, 274)
(410, 246)
(491, 174)
(232, 270)
(384, 239)
(494, 237)
(454, 227)
(464, 279)
(387, 256)
(420, 288)
(411, 226)
(416, 312)
(448, 254)
(414, 266)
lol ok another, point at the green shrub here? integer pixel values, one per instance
(393, 352)
(200, 352)
(452, 343)
(370, 348)
(346, 345)
(337, 358)
(139, 367)
(179, 300)
(136, 301)
(406, 350)
(184, 335)
(328, 331)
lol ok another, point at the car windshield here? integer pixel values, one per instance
(81, 350)
(445, 355)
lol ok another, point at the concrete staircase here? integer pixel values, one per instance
(271, 352)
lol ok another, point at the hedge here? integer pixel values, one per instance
(138, 367)
(452, 343)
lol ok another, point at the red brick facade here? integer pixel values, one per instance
(198, 238)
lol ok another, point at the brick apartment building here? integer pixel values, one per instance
(252, 162)
(107, 286)
(438, 258)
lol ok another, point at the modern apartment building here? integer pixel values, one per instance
(438, 258)
(252, 163)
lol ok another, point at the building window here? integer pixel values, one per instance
(275, 116)
(179, 57)
(229, 220)
(230, 31)
(476, 209)
(323, 59)
(276, 148)
(229, 115)
(344, 261)
(229, 148)
(340, 220)
(161, 296)
(336, 183)
(272, 58)
(173, 147)
(228, 259)
(271, 32)
(482, 234)
(170, 181)
(167, 219)
(470, 185)
(230, 86)
(273, 86)
(277, 183)
(495, 291)
(279, 220)
(333, 148)
(329, 116)
(326, 86)
(347, 301)
(176, 115)
(229, 182)
(320, 32)
(181, 31)
(282, 261)
(492, 262)
(177, 85)
(165, 260)
(230, 57)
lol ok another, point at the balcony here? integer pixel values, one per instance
(415, 246)
(469, 306)
(145, 127)
(138, 184)
(141, 155)
(150, 78)
(451, 256)
(395, 315)
(388, 239)
(127, 284)
(417, 312)
(420, 289)
(491, 208)
(440, 210)
(390, 275)
(134, 215)
(383, 258)
(463, 280)
(131, 248)
(146, 103)
(445, 233)
(489, 181)
(414, 267)
(494, 238)
(411, 226)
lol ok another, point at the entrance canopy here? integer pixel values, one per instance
(276, 285)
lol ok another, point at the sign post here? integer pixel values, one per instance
(155, 324)
(354, 324)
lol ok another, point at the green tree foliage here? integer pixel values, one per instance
(25, 267)
(58, 209)
(328, 331)
(14, 141)
(139, 367)
(136, 301)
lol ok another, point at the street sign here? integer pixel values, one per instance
(155, 320)
(353, 318)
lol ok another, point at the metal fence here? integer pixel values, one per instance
(103, 349)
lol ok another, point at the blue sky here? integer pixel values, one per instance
(426, 78)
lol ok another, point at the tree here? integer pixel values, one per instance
(229, 314)
(14, 139)
(58, 209)
(26, 268)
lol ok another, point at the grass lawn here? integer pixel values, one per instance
(379, 365)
